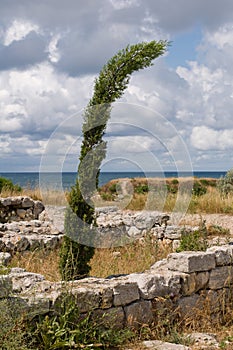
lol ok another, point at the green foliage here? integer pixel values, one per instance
(13, 331)
(194, 241)
(113, 188)
(172, 188)
(225, 184)
(4, 270)
(175, 181)
(198, 189)
(141, 188)
(109, 86)
(6, 184)
(67, 329)
(208, 182)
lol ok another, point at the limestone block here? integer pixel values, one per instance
(173, 232)
(152, 285)
(50, 242)
(202, 279)
(5, 286)
(113, 317)
(220, 277)
(204, 340)
(39, 303)
(35, 242)
(127, 220)
(21, 213)
(159, 265)
(106, 298)
(6, 201)
(188, 284)
(22, 280)
(223, 254)
(21, 244)
(125, 293)
(17, 200)
(134, 231)
(138, 313)
(191, 261)
(38, 208)
(188, 304)
(4, 258)
(193, 282)
(144, 221)
(27, 202)
(87, 299)
(160, 345)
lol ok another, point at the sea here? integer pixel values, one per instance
(30, 180)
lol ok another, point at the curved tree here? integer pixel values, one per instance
(109, 86)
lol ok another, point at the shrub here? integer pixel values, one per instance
(7, 185)
(194, 241)
(175, 181)
(225, 184)
(141, 188)
(208, 182)
(113, 188)
(198, 189)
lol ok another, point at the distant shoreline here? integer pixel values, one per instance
(52, 180)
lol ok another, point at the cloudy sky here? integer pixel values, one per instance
(52, 50)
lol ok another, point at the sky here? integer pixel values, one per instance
(175, 115)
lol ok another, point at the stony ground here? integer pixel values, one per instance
(223, 220)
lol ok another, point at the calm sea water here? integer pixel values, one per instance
(31, 180)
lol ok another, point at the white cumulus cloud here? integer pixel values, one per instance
(18, 30)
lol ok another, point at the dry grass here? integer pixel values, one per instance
(210, 203)
(213, 202)
(50, 197)
(135, 257)
(43, 261)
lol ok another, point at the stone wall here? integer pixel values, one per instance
(183, 280)
(140, 224)
(35, 228)
(19, 208)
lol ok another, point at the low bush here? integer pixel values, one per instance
(7, 185)
(225, 184)
(141, 188)
(198, 189)
(194, 241)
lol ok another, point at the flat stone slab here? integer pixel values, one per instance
(191, 261)
(160, 345)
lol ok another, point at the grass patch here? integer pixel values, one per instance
(45, 262)
(134, 257)
(205, 198)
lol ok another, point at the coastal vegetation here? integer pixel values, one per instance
(7, 185)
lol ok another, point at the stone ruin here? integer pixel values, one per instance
(182, 281)
(19, 208)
